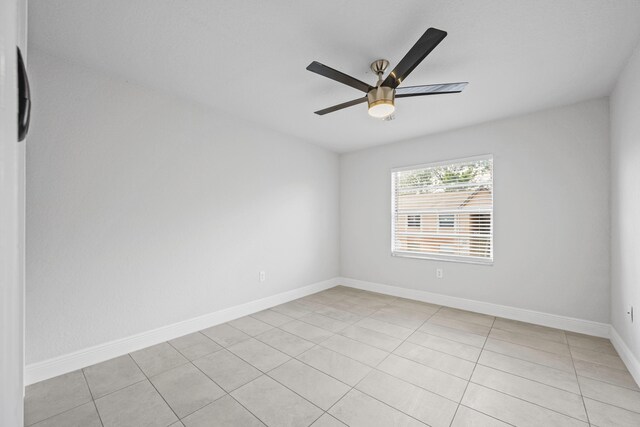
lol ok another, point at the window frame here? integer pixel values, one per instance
(443, 257)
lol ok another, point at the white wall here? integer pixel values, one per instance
(144, 210)
(551, 213)
(625, 205)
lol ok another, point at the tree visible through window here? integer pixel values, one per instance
(444, 210)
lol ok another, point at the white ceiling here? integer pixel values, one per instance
(248, 57)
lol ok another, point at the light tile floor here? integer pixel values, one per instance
(349, 357)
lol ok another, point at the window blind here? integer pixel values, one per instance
(444, 210)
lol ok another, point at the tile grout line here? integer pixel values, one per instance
(93, 400)
(485, 414)
(525, 360)
(186, 348)
(529, 346)
(240, 403)
(392, 352)
(211, 379)
(623, 370)
(390, 336)
(609, 383)
(302, 397)
(558, 388)
(226, 393)
(612, 404)
(121, 388)
(87, 383)
(386, 302)
(330, 318)
(530, 379)
(97, 412)
(605, 353)
(70, 409)
(376, 369)
(567, 343)
(575, 372)
(533, 403)
(527, 401)
(262, 373)
(59, 413)
(348, 357)
(327, 374)
(570, 356)
(446, 339)
(210, 403)
(154, 387)
(430, 367)
(465, 322)
(486, 338)
(472, 372)
(429, 391)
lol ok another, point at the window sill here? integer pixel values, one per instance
(445, 258)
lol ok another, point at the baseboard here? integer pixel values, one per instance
(70, 362)
(536, 317)
(627, 356)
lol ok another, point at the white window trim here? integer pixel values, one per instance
(435, 257)
(443, 162)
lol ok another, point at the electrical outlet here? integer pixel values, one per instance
(439, 273)
(263, 276)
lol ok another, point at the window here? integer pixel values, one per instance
(446, 220)
(447, 249)
(413, 221)
(444, 210)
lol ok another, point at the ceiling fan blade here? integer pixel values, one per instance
(341, 106)
(338, 76)
(407, 91)
(423, 47)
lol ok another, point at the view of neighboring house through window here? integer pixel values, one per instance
(413, 221)
(446, 220)
(444, 210)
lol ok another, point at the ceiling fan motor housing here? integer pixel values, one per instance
(379, 96)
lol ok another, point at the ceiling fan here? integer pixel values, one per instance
(381, 97)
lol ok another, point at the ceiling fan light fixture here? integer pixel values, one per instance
(381, 97)
(381, 101)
